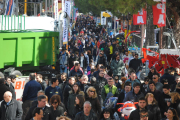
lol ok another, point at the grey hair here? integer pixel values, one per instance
(32, 76)
(87, 102)
(41, 91)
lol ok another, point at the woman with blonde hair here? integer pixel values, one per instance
(152, 106)
(63, 118)
(175, 102)
(91, 96)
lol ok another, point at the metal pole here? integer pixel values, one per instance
(24, 22)
(114, 25)
(61, 26)
(49, 5)
(8, 22)
(46, 7)
(5, 22)
(40, 7)
(17, 8)
(142, 38)
(34, 9)
(11, 21)
(25, 7)
(52, 8)
(60, 32)
(2, 23)
(160, 37)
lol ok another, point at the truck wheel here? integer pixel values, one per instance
(17, 73)
(1, 75)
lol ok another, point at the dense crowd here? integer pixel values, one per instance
(95, 69)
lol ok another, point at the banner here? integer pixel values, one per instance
(65, 31)
(67, 8)
(103, 19)
(56, 9)
(140, 18)
(9, 7)
(159, 14)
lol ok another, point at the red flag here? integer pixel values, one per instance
(140, 18)
(159, 14)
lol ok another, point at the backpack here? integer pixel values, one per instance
(111, 102)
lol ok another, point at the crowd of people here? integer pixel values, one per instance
(95, 68)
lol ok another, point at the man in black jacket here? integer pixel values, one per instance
(101, 81)
(127, 88)
(47, 113)
(11, 87)
(171, 79)
(37, 114)
(101, 68)
(157, 95)
(62, 81)
(102, 60)
(87, 113)
(68, 88)
(41, 82)
(10, 109)
(136, 65)
(141, 106)
(144, 114)
(3, 88)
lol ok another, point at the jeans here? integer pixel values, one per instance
(138, 74)
(94, 57)
(63, 70)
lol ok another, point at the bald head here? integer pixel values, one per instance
(7, 96)
(8, 93)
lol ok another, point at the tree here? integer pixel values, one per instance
(174, 8)
(84, 7)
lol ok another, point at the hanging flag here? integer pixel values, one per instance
(159, 14)
(9, 7)
(68, 8)
(140, 18)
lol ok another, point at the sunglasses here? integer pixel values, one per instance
(91, 91)
(54, 102)
(142, 116)
(154, 78)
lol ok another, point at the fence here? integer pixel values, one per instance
(12, 23)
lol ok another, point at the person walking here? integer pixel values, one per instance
(136, 65)
(30, 93)
(10, 109)
(117, 66)
(54, 89)
(37, 114)
(87, 113)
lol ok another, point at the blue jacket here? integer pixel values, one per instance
(73, 72)
(50, 91)
(30, 91)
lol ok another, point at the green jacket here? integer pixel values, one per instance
(106, 89)
(117, 67)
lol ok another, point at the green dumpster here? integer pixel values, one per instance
(28, 49)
